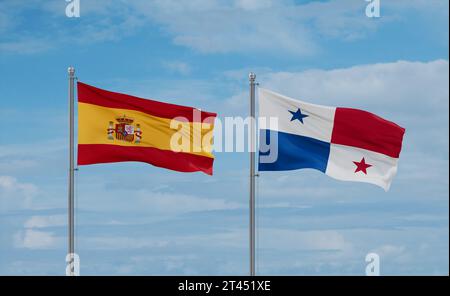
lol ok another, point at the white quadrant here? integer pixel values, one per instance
(341, 166)
(319, 121)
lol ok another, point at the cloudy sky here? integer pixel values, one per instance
(133, 218)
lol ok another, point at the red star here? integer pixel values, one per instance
(362, 166)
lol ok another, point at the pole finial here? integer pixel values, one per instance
(252, 76)
(71, 70)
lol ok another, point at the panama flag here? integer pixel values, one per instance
(346, 144)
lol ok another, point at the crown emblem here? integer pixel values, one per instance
(124, 119)
(125, 130)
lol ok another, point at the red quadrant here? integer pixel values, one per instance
(365, 130)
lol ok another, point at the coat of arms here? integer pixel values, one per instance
(125, 130)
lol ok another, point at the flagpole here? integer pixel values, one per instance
(71, 213)
(252, 78)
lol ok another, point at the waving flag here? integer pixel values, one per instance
(346, 144)
(114, 127)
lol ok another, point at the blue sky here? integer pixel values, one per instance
(133, 218)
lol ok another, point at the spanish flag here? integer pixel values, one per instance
(115, 127)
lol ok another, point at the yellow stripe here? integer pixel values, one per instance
(94, 121)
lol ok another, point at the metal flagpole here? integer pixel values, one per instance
(71, 213)
(252, 78)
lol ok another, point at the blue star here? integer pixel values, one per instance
(298, 115)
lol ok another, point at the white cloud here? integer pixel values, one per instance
(437, 6)
(283, 239)
(254, 4)
(45, 221)
(268, 238)
(121, 243)
(160, 202)
(219, 27)
(211, 26)
(29, 160)
(108, 21)
(390, 251)
(178, 67)
(15, 195)
(33, 239)
(267, 26)
(27, 45)
(280, 239)
(175, 195)
(5, 21)
(397, 84)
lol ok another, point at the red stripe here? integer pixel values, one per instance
(182, 162)
(92, 95)
(365, 130)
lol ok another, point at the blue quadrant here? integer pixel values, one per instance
(295, 152)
